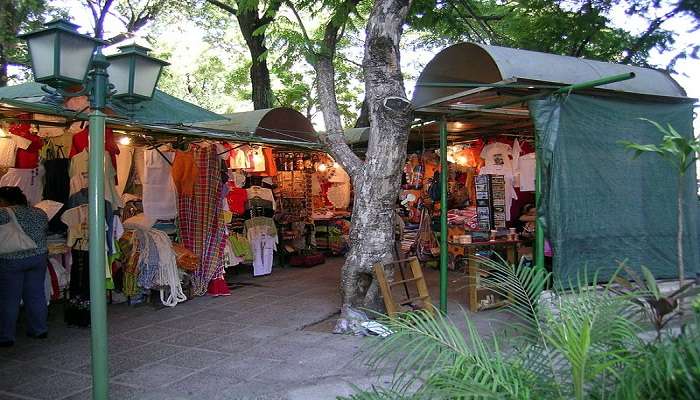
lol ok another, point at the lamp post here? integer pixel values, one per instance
(62, 58)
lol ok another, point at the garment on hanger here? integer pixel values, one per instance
(8, 149)
(262, 236)
(78, 173)
(29, 180)
(527, 164)
(159, 191)
(238, 158)
(497, 153)
(236, 199)
(125, 162)
(184, 172)
(257, 160)
(81, 141)
(263, 193)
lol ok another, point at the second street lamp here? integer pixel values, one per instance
(61, 58)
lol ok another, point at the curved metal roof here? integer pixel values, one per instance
(271, 123)
(472, 62)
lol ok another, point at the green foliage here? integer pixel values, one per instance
(17, 16)
(581, 343)
(580, 29)
(680, 151)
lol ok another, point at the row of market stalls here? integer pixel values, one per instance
(530, 143)
(189, 193)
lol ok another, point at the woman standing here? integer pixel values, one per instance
(22, 273)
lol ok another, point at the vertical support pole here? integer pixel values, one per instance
(539, 230)
(96, 226)
(443, 215)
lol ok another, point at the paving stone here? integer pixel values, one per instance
(54, 387)
(151, 333)
(120, 344)
(243, 368)
(204, 385)
(116, 392)
(18, 375)
(153, 352)
(7, 396)
(153, 375)
(191, 338)
(196, 358)
(117, 365)
(234, 344)
(221, 328)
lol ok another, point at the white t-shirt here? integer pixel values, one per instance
(527, 164)
(497, 154)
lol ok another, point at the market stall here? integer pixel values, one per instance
(511, 116)
(188, 193)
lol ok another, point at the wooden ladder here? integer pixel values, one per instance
(393, 307)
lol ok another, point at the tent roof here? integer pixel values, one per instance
(478, 63)
(162, 109)
(272, 123)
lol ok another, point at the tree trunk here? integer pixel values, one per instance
(262, 95)
(376, 181)
(4, 78)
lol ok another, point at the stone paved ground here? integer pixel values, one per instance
(246, 346)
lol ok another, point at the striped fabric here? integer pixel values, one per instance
(201, 228)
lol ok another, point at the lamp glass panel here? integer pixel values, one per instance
(118, 72)
(146, 76)
(41, 48)
(76, 53)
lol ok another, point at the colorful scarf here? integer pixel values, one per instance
(201, 229)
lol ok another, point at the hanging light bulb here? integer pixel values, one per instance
(125, 140)
(321, 167)
(336, 165)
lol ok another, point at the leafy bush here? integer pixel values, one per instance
(580, 344)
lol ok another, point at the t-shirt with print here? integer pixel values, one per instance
(497, 154)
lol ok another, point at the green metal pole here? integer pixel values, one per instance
(96, 226)
(443, 215)
(539, 230)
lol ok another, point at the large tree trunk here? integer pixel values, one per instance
(259, 73)
(4, 78)
(376, 181)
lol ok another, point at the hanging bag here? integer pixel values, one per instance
(12, 236)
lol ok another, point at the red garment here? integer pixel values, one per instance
(55, 290)
(28, 158)
(218, 287)
(80, 143)
(236, 199)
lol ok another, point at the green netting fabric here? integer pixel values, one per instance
(598, 205)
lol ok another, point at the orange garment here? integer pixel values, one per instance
(184, 172)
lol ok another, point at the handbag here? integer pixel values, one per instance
(12, 237)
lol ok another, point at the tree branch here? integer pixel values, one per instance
(334, 138)
(271, 12)
(223, 6)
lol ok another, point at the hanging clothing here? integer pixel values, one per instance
(184, 172)
(30, 181)
(527, 165)
(264, 246)
(238, 158)
(236, 199)
(8, 149)
(125, 160)
(79, 179)
(263, 193)
(82, 139)
(159, 191)
(497, 154)
(257, 160)
(201, 228)
(270, 164)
